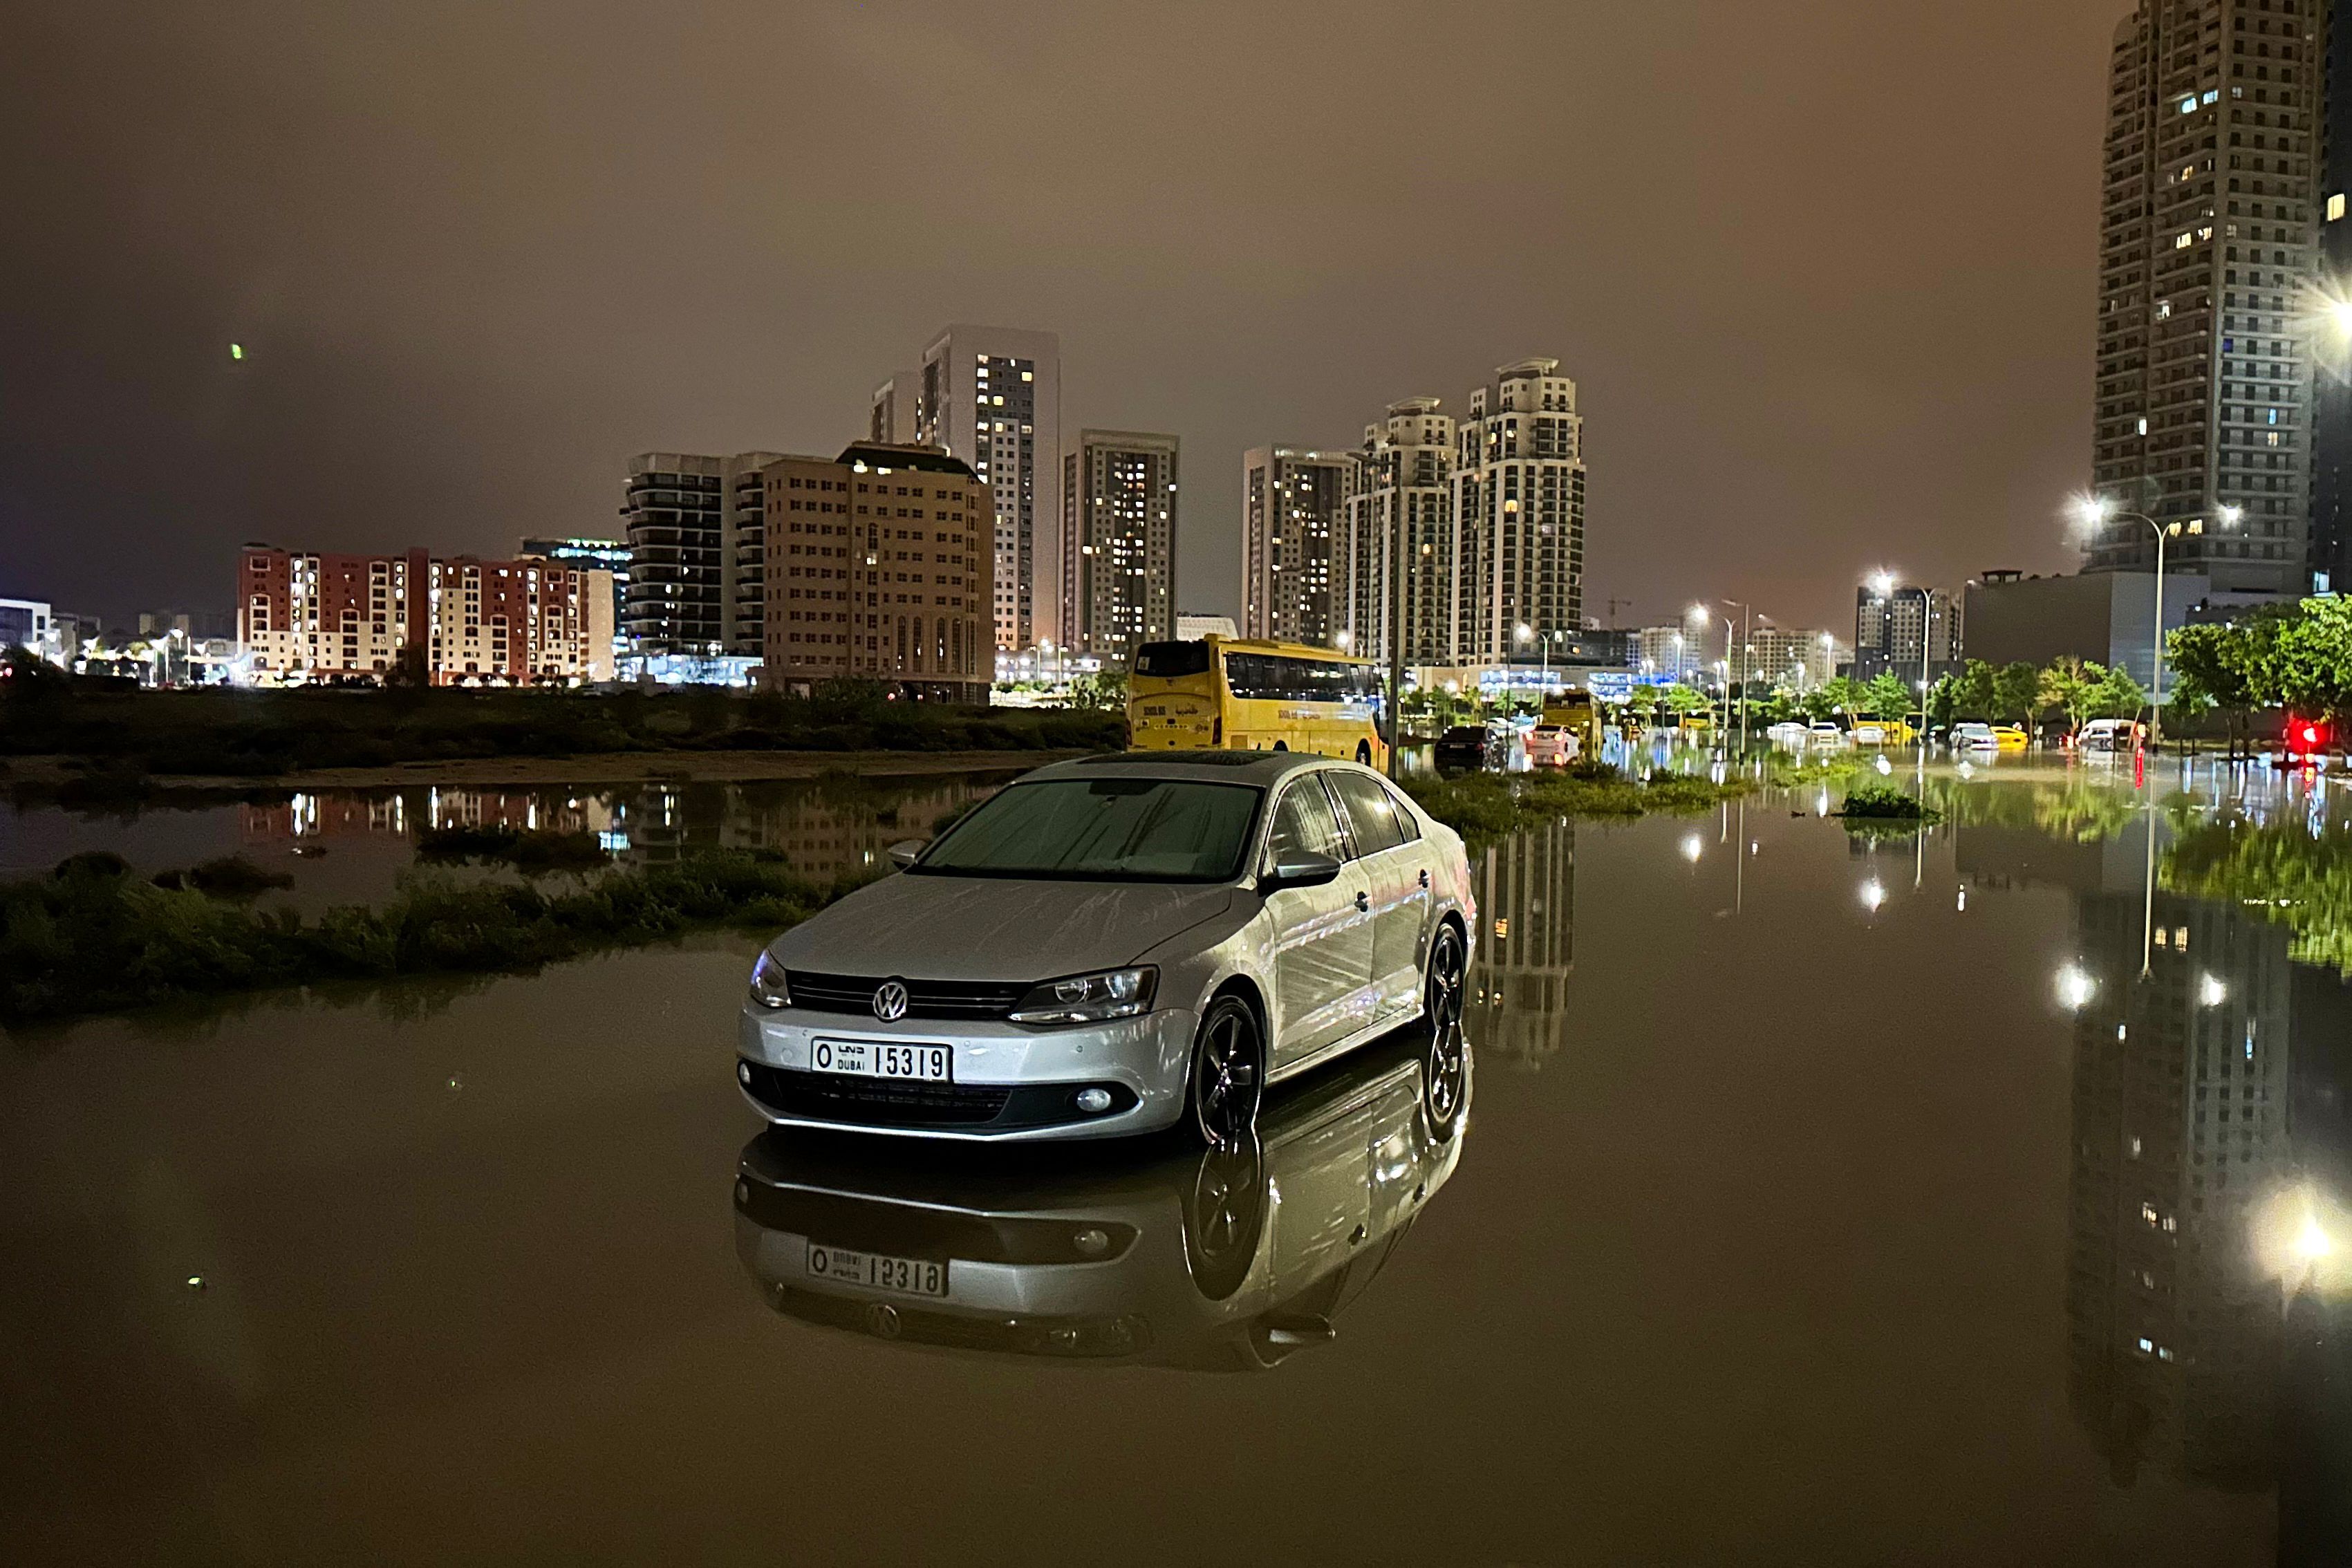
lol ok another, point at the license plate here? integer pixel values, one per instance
(877, 1058)
(907, 1276)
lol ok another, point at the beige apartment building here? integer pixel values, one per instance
(879, 567)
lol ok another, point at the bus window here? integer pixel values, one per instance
(1168, 660)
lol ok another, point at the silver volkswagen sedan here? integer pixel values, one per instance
(1115, 945)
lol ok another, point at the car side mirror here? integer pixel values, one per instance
(1299, 868)
(907, 851)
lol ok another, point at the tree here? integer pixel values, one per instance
(1887, 696)
(1681, 699)
(1839, 695)
(2068, 685)
(2115, 694)
(2015, 689)
(2313, 658)
(1973, 693)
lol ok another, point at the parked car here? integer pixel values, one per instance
(1116, 945)
(2010, 738)
(1222, 1261)
(2110, 735)
(1825, 733)
(1789, 732)
(1469, 747)
(1554, 745)
(1973, 737)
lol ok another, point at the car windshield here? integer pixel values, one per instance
(1466, 734)
(1102, 830)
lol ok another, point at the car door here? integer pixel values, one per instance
(1395, 879)
(1322, 936)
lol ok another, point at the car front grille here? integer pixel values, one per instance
(925, 998)
(854, 1101)
(889, 1102)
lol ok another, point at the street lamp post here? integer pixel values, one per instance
(1746, 668)
(2095, 511)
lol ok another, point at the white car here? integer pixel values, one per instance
(1828, 734)
(1115, 945)
(1975, 737)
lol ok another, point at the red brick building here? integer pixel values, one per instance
(460, 622)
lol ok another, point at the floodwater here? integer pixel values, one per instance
(1972, 1196)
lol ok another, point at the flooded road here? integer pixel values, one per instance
(1978, 1198)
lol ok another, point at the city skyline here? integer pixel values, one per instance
(458, 360)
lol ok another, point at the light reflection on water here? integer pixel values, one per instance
(2062, 1133)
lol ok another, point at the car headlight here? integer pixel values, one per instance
(1090, 998)
(768, 987)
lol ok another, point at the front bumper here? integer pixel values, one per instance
(1009, 1084)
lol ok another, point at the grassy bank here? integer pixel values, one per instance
(92, 938)
(1482, 807)
(263, 734)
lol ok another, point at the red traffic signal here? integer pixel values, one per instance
(2305, 735)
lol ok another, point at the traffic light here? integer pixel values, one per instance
(2306, 737)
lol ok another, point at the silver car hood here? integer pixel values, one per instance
(982, 927)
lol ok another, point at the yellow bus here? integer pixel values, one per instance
(1578, 713)
(1238, 695)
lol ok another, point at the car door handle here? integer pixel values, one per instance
(1364, 902)
(1425, 878)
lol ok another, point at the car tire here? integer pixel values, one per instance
(1445, 1059)
(1228, 1078)
(1224, 1216)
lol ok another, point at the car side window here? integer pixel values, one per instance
(1303, 822)
(1408, 825)
(1371, 814)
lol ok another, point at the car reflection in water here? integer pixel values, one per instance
(1227, 1260)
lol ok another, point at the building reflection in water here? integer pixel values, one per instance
(824, 828)
(2207, 1298)
(1526, 955)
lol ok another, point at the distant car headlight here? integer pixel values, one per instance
(768, 987)
(1090, 998)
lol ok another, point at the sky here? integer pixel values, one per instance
(1823, 272)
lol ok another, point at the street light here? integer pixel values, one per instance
(2092, 512)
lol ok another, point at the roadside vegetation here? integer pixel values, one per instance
(2283, 872)
(1482, 807)
(2298, 659)
(123, 736)
(92, 937)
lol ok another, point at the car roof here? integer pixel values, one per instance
(1219, 766)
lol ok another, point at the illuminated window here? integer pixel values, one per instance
(2334, 206)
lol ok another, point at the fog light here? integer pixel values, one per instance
(1094, 1101)
(743, 1073)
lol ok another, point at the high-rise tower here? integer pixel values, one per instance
(1294, 505)
(1118, 543)
(992, 396)
(1398, 501)
(1519, 485)
(2206, 258)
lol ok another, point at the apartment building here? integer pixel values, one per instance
(879, 567)
(1293, 506)
(1118, 543)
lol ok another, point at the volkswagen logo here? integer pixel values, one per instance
(890, 1001)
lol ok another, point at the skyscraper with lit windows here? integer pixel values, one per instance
(993, 397)
(2208, 239)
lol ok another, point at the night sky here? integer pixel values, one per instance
(1823, 272)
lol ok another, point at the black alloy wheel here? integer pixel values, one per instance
(1228, 1075)
(1224, 1216)
(1445, 1064)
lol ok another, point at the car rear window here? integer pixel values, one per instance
(1102, 830)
